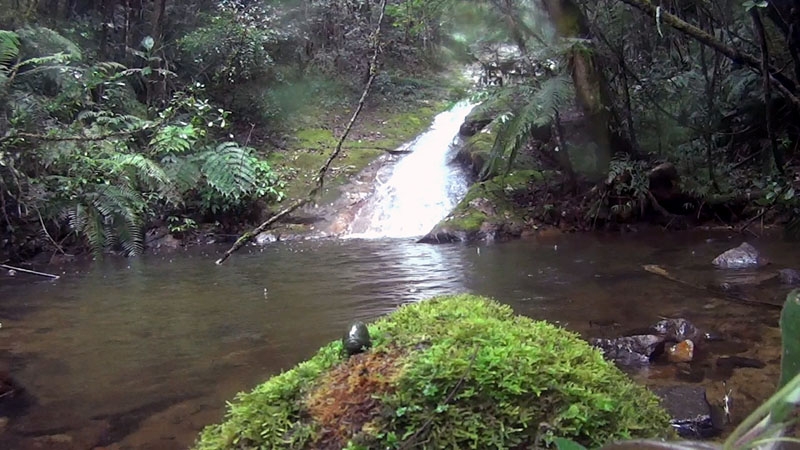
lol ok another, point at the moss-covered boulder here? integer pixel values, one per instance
(451, 372)
(490, 211)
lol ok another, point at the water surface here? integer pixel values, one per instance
(144, 352)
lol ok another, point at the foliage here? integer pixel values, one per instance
(539, 108)
(451, 372)
(234, 46)
(102, 170)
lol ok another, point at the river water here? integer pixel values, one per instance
(142, 353)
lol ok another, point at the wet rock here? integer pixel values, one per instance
(713, 336)
(357, 339)
(162, 241)
(690, 411)
(265, 238)
(676, 330)
(444, 235)
(470, 127)
(741, 257)
(629, 350)
(681, 352)
(789, 276)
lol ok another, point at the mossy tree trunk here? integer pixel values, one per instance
(591, 87)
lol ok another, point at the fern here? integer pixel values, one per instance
(230, 170)
(9, 48)
(539, 110)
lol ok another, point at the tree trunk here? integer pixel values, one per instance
(590, 85)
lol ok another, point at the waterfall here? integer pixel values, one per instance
(421, 188)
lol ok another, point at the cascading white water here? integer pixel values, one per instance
(419, 190)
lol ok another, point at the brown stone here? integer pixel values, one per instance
(681, 352)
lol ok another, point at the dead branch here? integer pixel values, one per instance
(785, 85)
(320, 181)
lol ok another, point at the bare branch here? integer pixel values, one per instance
(320, 181)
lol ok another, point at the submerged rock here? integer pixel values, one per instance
(629, 350)
(741, 257)
(690, 411)
(681, 352)
(789, 276)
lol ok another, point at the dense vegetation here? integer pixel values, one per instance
(450, 372)
(118, 115)
(121, 115)
(607, 90)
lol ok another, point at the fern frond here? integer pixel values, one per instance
(9, 47)
(183, 171)
(539, 110)
(230, 170)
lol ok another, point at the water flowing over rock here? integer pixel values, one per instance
(741, 257)
(420, 189)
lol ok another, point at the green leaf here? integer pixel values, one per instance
(566, 444)
(790, 333)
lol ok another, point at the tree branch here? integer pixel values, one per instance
(785, 85)
(758, 27)
(320, 181)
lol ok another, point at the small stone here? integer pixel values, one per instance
(681, 352)
(12, 273)
(357, 339)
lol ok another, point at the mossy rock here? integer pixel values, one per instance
(40, 41)
(451, 372)
(488, 211)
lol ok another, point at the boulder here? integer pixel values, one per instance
(457, 372)
(742, 257)
(692, 416)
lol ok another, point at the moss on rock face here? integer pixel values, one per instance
(451, 372)
(487, 212)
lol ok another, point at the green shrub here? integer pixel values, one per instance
(451, 372)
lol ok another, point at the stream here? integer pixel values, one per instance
(144, 352)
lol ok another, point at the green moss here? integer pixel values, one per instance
(497, 193)
(376, 131)
(451, 372)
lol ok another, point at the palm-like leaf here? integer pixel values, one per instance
(539, 110)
